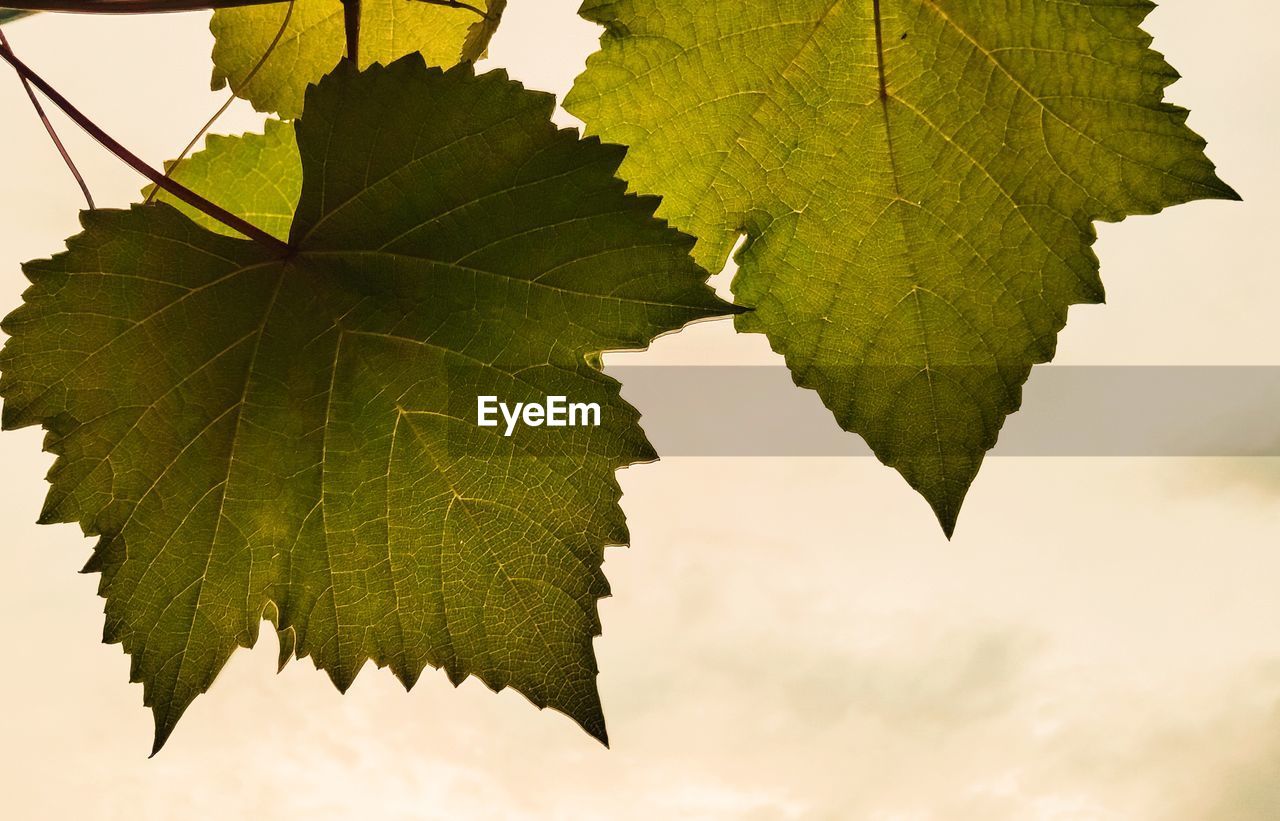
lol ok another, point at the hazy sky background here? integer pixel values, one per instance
(787, 638)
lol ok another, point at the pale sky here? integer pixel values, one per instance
(788, 638)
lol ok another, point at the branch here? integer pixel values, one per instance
(52, 132)
(176, 189)
(127, 6)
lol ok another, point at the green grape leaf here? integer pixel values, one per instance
(917, 181)
(297, 438)
(254, 176)
(314, 41)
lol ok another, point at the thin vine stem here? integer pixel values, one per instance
(231, 98)
(133, 161)
(163, 6)
(128, 6)
(50, 130)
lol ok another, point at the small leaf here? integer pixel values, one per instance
(296, 439)
(917, 181)
(314, 42)
(255, 176)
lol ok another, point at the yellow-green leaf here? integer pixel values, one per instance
(314, 41)
(297, 438)
(917, 181)
(254, 176)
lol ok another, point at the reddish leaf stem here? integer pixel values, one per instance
(127, 6)
(50, 130)
(176, 189)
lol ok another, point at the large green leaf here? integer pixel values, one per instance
(917, 181)
(297, 437)
(314, 42)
